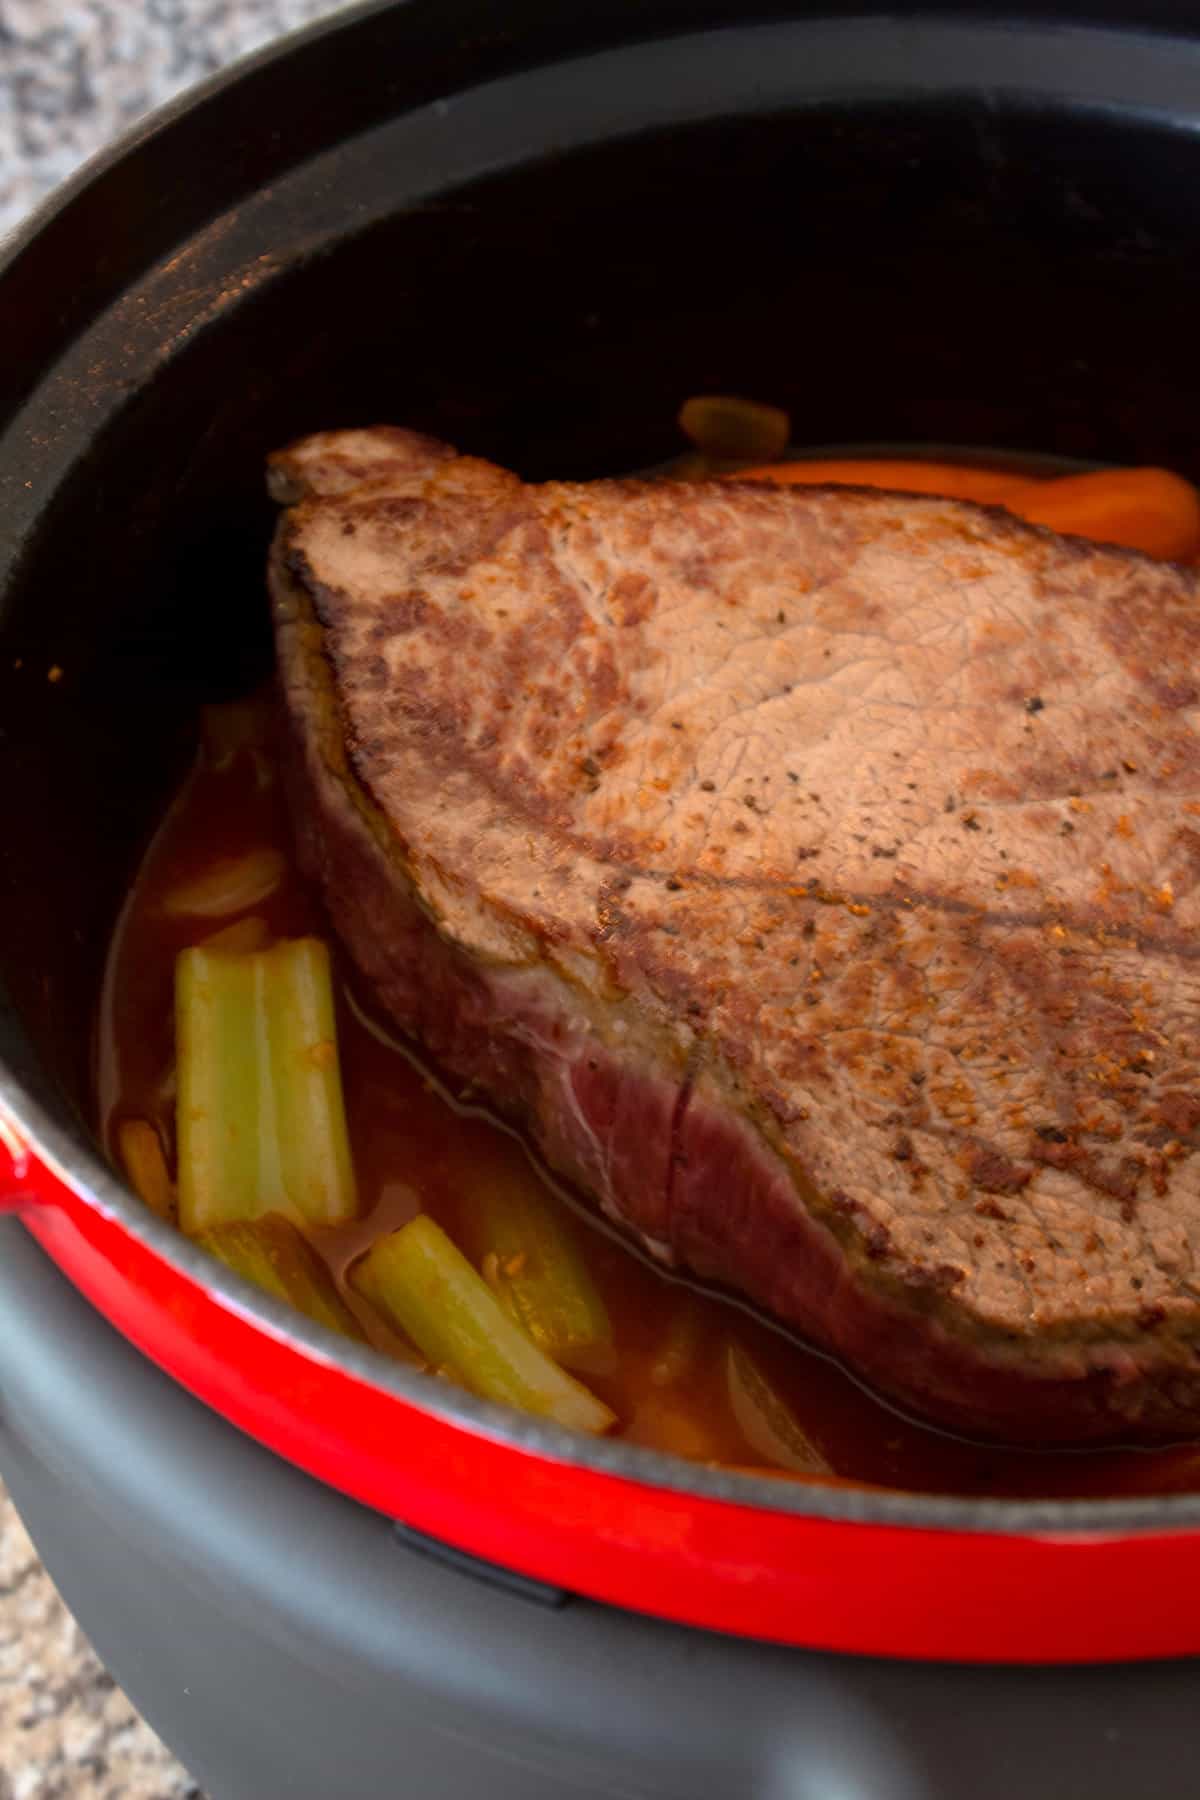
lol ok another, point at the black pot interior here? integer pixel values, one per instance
(952, 232)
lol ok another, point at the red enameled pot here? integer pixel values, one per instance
(533, 230)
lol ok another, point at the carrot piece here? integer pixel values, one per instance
(1141, 509)
(951, 481)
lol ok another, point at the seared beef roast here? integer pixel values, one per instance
(812, 872)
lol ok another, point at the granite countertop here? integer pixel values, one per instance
(73, 74)
(67, 1732)
(76, 73)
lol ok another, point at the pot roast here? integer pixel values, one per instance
(811, 873)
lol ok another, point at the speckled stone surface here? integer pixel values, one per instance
(73, 74)
(67, 1732)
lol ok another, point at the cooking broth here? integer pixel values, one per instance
(694, 1373)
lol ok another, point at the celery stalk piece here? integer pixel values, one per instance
(141, 1153)
(275, 1256)
(424, 1285)
(219, 1139)
(260, 1119)
(537, 1268)
(296, 1000)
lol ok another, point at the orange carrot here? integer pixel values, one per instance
(1141, 509)
(952, 481)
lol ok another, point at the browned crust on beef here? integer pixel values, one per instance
(881, 812)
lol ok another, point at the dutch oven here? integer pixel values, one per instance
(532, 230)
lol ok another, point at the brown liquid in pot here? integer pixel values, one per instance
(413, 1147)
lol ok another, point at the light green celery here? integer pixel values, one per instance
(260, 1120)
(538, 1269)
(421, 1283)
(275, 1256)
